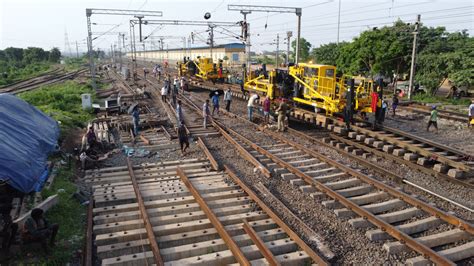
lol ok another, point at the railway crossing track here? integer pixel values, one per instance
(34, 83)
(419, 153)
(365, 201)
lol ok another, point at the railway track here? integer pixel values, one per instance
(183, 212)
(446, 114)
(43, 80)
(186, 211)
(420, 153)
(437, 236)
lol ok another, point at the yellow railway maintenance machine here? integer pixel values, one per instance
(316, 85)
(204, 68)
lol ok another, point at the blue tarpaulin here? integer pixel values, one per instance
(27, 136)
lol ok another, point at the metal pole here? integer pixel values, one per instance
(278, 48)
(90, 49)
(413, 57)
(131, 48)
(288, 37)
(298, 36)
(134, 46)
(212, 39)
(247, 38)
(338, 22)
(77, 51)
(140, 27)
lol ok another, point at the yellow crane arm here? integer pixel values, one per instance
(326, 99)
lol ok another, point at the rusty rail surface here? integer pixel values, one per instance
(260, 244)
(141, 205)
(89, 234)
(234, 248)
(319, 260)
(214, 163)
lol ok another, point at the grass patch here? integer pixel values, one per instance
(426, 98)
(73, 64)
(27, 72)
(62, 102)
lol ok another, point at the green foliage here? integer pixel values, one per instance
(73, 63)
(387, 52)
(62, 102)
(427, 98)
(18, 64)
(54, 55)
(305, 46)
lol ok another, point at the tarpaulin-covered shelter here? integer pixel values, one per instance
(27, 136)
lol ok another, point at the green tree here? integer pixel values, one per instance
(305, 47)
(54, 55)
(327, 54)
(34, 55)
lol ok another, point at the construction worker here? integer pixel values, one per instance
(227, 99)
(395, 102)
(266, 110)
(183, 85)
(470, 122)
(433, 119)
(251, 104)
(145, 71)
(135, 120)
(183, 138)
(179, 113)
(282, 115)
(37, 229)
(206, 113)
(215, 103)
(164, 93)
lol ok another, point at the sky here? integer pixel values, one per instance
(44, 23)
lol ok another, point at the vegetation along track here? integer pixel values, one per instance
(434, 234)
(36, 82)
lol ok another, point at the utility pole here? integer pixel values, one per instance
(413, 56)
(211, 38)
(278, 48)
(77, 50)
(338, 22)
(288, 37)
(298, 36)
(246, 37)
(246, 9)
(122, 12)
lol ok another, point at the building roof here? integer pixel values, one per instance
(234, 45)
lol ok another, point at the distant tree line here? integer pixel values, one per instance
(387, 52)
(19, 63)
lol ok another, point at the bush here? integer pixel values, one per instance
(62, 102)
(427, 98)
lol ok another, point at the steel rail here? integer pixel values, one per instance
(316, 258)
(214, 163)
(146, 221)
(390, 229)
(451, 219)
(243, 152)
(264, 250)
(398, 160)
(234, 248)
(89, 234)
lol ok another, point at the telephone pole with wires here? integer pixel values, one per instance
(413, 57)
(278, 48)
(289, 34)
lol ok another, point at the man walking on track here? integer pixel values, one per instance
(433, 119)
(282, 115)
(206, 112)
(227, 99)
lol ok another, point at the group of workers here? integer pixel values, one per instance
(36, 229)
